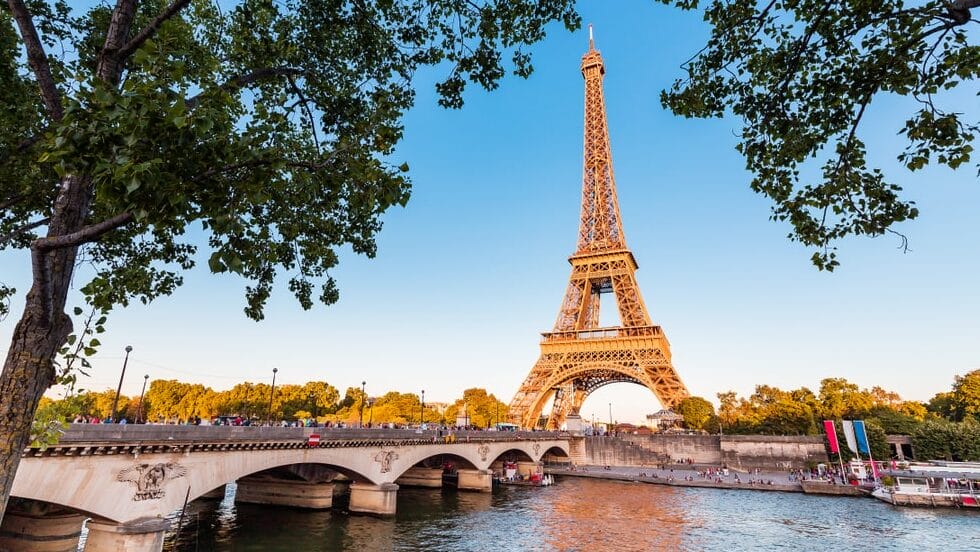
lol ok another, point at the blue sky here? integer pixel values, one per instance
(474, 268)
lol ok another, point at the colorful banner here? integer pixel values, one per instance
(849, 435)
(831, 431)
(862, 437)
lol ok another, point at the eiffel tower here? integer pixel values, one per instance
(579, 356)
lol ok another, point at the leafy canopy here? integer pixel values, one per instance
(803, 73)
(268, 125)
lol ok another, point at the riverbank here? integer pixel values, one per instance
(680, 476)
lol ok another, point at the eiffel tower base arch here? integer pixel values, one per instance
(568, 371)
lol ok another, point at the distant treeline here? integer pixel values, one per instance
(947, 427)
(174, 401)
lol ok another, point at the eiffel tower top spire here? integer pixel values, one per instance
(600, 229)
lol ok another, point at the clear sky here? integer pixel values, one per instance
(474, 268)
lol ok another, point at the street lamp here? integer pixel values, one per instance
(371, 415)
(248, 390)
(139, 412)
(610, 418)
(360, 423)
(422, 411)
(312, 398)
(272, 393)
(115, 403)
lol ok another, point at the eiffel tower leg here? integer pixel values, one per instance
(526, 407)
(666, 384)
(564, 398)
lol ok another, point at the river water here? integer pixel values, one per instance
(584, 515)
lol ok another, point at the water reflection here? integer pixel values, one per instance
(579, 515)
(593, 514)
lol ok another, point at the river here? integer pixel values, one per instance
(584, 515)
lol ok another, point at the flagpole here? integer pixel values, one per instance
(867, 442)
(835, 443)
(840, 460)
(874, 470)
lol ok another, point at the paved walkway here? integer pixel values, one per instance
(683, 475)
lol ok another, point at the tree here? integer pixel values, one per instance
(840, 398)
(268, 126)
(483, 408)
(945, 440)
(943, 404)
(802, 75)
(966, 395)
(697, 412)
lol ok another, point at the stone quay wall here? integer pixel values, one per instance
(614, 451)
(741, 452)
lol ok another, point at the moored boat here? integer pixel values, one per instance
(535, 480)
(938, 484)
(510, 476)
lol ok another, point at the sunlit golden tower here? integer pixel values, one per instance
(579, 356)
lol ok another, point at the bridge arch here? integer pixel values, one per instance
(113, 492)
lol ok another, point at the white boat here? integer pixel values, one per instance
(946, 484)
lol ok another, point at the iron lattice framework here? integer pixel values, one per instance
(579, 356)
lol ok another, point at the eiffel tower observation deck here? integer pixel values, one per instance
(579, 356)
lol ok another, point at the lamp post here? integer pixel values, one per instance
(115, 403)
(272, 393)
(371, 412)
(610, 418)
(422, 411)
(139, 412)
(312, 398)
(248, 390)
(360, 422)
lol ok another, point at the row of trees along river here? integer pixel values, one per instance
(948, 426)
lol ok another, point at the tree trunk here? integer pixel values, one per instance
(27, 373)
(42, 330)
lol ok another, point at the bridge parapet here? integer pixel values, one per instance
(107, 439)
(159, 432)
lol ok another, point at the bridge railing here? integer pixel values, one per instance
(102, 433)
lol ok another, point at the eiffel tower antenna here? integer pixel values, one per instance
(578, 356)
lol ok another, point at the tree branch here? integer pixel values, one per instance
(151, 29)
(37, 59)
(41, 247)
(959, 10)
(11, 201)
(241, 81)
(110, 67)
(23, 228)
(87, 234)
(306, 108)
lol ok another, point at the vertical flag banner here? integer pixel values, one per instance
(849, 435)
(862, 437)
(831, 431)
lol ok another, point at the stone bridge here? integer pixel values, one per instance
(127, 478)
